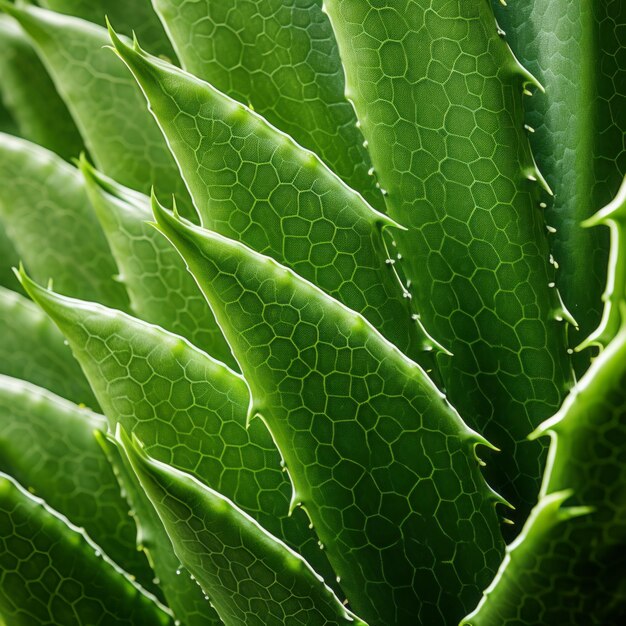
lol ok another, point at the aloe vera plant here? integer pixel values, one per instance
(291, 292)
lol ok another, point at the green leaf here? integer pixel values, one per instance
(47, 215)
(184, 596)
(32, 349)
(137, 17)
(383, 465)
(7, 123)
(251, 182)
(52, 573)
(568, 565)
(161, 290)
(252, 578)
(29, 93)
(280, 58)
(188, 409)
(107, 105)
(576, 49)
(439, 97)
(47, 445)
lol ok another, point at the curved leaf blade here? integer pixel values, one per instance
(184, 596)
(47, 445)
(160, 289)
(47, 215)
(280, 58)
(251, 577)
(188, 409)
(252, 183)
(52, 573)
(370, 444)
(439, 97)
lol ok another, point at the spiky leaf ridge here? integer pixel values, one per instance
(252, 578)
(382, 464)
(439, 97)
(52, 573)
(47, 444)
(188, 409)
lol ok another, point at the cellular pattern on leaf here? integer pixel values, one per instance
(280, 58)
(439, 97)
(47, 444)
(52, 573)
(188, 409)
(383, 465)
(252, 578)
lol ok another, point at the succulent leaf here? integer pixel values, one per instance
(33, 349)
(567, 566)
(439, 97)
(251, 182)
(184, 596)
(47, 445)
(252, 578)
(383, 465)
(281, 59)
(52, 573)
(109, 110)
(8, 260)
(161, 290)
(135, 16)
(188, 409)
(47, 215)
(578, 52)
(29, 93)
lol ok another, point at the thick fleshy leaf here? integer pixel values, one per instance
(280, 57)
(439, 97)
(251, 182)
(7, 123)
(29, 93)
(384, 466)
(52, 573)
(183, 594)
(107, 105)
(568, 566)
(47, 445)
(188, 409)
(161, 290)
(252, 578)
(576, 49)
(33, 349)
(47, 215)
(129, 16)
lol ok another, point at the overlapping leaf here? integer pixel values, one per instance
(252, 578)
(120, 134)
(47, 215)
(439, 97)
(52, 573)
(280, 58)
(47, 444)
(161, 290)
(188, 409)
(251, 182)
(382, 464)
